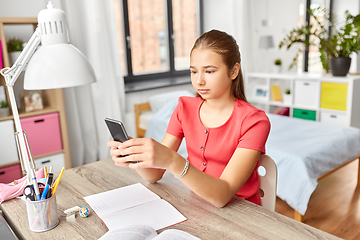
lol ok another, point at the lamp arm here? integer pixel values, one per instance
(11, 75)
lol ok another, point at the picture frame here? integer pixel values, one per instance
(260, 92)
(32, 100)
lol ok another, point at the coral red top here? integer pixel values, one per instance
(210, 149)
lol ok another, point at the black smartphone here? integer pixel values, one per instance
(117, 130)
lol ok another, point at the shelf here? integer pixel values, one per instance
(33, 113)
(325, 97)
(37, 157)
(280, 104)
(258, 100)
(9, 164)
(306, 107)
(332, 111)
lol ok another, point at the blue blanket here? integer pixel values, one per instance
(303, 151)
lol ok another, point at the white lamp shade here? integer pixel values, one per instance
(57, 66)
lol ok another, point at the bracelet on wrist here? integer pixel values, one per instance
(184, 170)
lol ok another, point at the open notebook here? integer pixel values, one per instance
(134, 205)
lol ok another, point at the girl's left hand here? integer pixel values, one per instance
(147, 152)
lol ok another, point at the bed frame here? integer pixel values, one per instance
(140, 132)
(298, 216)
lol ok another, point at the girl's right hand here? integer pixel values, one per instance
(115, 153)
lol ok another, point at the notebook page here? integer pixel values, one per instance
(156, 214)
(121, 198)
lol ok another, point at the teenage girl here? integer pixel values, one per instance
(224, 134)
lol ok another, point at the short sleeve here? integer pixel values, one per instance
(175, 127)
(254, 131)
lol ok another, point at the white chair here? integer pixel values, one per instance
(268, 178)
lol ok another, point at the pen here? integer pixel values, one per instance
(57, 182)
(34, 183)
(43, 196)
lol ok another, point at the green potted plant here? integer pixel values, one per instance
(335, 47)
(277, 63)
(4, 109)
(14, 47)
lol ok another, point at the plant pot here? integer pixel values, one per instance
(13, 56)
(4, 112)
(340, 66)
(287, 98)
(277, 69)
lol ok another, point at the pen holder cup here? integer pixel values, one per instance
(42, 215)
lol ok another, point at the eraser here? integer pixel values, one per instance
(72, 210)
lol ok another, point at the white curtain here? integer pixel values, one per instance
(92, 29)
(243, 34)
(235, 18)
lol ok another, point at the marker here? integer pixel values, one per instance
(49, 182)
(34, 182)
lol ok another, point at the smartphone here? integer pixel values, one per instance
(117, 130)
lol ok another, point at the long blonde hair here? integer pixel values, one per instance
(225, 45)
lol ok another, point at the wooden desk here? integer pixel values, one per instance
(240, 219)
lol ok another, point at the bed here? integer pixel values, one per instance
(304, 152)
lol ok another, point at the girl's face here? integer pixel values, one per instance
(209, 74)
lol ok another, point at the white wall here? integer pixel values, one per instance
(22, 8)
(242, 19)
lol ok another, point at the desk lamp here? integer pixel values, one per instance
(56, 64)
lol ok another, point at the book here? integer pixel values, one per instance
(146, 233)
(276, 93)
(285, 111)
(134, 205)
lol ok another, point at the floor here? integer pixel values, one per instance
(334, 205)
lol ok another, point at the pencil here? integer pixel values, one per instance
(57, 182)
(45, 171)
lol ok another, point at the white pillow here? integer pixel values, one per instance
(159, 100)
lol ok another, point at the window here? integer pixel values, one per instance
(310, 61)
(156, 36)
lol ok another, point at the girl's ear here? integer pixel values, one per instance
(235, 71)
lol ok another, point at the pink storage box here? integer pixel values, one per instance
(9, 174)
(43, 132)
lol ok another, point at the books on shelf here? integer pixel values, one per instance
(134, 205)
(285, 111)
(146, 233)
(276, 93)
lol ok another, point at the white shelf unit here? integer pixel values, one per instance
(317, 97)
